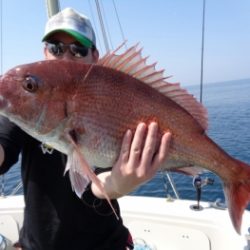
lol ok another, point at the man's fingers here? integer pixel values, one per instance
(137, 144)
(149, 146)
(125, 147)
(163, 151)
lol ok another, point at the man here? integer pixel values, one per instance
(54, 217)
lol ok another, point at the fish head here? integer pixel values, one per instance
(33, 95)
(20, 91)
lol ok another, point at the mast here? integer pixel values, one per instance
(53, 7)
(202, 48)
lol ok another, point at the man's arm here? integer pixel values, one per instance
(1, 155)
(11, 138)
(139, 160)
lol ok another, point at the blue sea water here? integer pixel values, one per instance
(228, 105)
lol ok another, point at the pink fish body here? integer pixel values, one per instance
(84, 110)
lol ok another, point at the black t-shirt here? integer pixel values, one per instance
(54, 217)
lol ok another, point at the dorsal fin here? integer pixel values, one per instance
(131, 62)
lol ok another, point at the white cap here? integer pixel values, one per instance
(73, 23)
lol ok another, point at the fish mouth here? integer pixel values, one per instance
(4, 103)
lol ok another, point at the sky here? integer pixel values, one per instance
(168, 30)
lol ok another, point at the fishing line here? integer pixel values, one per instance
(100, 206)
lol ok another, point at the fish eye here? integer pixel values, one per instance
(30, 84)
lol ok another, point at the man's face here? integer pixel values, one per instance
(91, 57)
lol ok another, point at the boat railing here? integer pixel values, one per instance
(172, 184)
(17, 188)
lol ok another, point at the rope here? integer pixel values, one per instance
(102, 26)
(120, 26)
(107, 26)
(95, 27)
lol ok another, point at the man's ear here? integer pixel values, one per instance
(45, 52)
(95, 55)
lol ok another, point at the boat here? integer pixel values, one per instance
(156, 223)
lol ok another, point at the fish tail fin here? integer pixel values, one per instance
(238, 194)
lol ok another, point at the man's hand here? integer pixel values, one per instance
(140, 158)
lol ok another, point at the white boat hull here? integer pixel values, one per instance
(156, 222)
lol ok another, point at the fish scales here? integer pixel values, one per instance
(133, 106)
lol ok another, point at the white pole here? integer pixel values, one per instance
(53, 7)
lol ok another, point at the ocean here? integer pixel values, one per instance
(228, 105)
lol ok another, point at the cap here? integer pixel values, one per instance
(73, 23)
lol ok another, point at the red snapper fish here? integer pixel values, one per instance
(84, 110)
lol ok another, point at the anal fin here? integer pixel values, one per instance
(79, 180)
(81, 173)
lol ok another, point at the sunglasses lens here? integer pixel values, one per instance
(55, 48)
(58, 49)
(78, 50)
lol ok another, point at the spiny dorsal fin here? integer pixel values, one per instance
(131, 62)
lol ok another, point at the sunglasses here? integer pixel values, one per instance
(58, 49)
